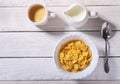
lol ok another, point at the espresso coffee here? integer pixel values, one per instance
(37, 13)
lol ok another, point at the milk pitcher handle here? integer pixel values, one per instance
(93, 14)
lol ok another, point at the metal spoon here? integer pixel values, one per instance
(106, 34)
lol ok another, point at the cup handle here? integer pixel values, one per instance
(93, 14)
(51, 15)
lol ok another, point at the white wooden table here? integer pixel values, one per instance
(26, 51)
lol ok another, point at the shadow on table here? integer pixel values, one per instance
(59, 25)
(53, 25)
(92, 24)
(95, 25)
(113, 73)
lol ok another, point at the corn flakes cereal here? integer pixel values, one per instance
(75, 56)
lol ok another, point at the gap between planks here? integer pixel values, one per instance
(56, 31)
(49, 57)
(58, 6)
(59, 82)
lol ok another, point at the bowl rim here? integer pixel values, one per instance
(89, 69)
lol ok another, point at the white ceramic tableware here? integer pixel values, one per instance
(77, 15)
(85, 72)
(47, 16)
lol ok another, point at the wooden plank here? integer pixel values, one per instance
(115, 44)
(62, 2)
(19, 2)
(59, 82)
(45, 69)
(47, 2)
(14, 19)
(108, 13)
(114, 64)
(101, 2)
(58, 3)
(39, 44)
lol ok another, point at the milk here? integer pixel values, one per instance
(77, 13)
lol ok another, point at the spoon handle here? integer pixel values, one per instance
(106, 65)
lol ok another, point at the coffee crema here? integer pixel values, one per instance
(37, 13)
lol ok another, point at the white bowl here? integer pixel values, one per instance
(89, 69)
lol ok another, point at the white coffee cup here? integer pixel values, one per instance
(47, 14)
(77, 15)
